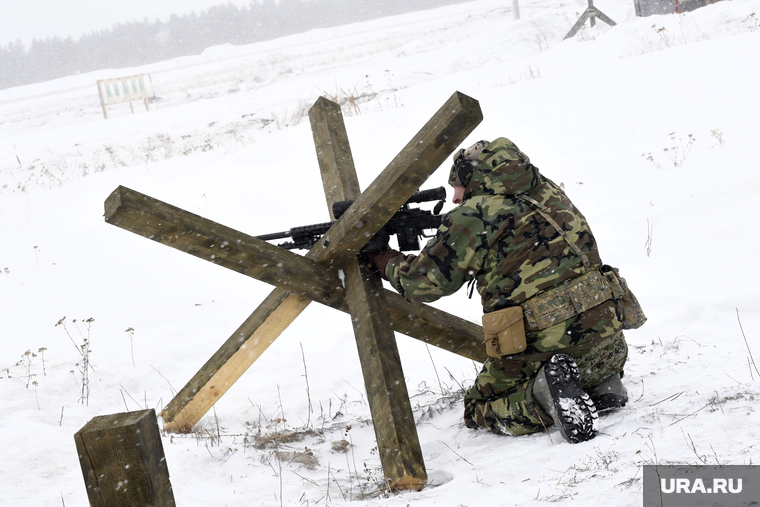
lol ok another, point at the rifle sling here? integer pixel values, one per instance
(541, 209)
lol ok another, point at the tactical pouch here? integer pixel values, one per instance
(505, 331)
(567, 300)
(633, 314)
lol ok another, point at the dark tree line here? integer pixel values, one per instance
(138, 43)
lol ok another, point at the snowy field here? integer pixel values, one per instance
(650, 125)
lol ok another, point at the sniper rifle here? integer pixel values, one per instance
(408, 224)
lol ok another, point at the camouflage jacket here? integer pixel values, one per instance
(498, 239)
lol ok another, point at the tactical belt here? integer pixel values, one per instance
(570, 299)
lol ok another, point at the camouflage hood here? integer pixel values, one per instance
(502, 170)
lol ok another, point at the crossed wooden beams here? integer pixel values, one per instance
(590, 13)
(376, 312)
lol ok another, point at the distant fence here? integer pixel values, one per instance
(122, 89)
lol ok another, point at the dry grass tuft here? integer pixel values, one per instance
(341, 446)
(274, 439)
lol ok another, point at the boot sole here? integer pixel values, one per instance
(576, 416)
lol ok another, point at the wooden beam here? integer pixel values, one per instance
(397, 441)
(213, 242)
(436, 327)
(336, 163)
(427, 150)
(229, 363)
(123, 461)
(393, 421)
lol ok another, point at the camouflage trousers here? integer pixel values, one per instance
(501, 398)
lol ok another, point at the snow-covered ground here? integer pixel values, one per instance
(650, 125)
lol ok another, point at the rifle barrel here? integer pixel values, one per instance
(410, 223)
(274, 235)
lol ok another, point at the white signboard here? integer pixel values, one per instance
(122, 89)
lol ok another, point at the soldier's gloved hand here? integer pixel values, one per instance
(380, 260)
(378, 243)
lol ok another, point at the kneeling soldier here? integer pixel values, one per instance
(553, 313)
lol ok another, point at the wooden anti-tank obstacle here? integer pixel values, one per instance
(591, 13)
(376, 312)
(123, 462)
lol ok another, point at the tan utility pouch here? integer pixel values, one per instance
(505, 331)
(633, 314)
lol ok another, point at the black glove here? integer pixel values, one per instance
(380, 260)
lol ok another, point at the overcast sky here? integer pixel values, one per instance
(30, 19)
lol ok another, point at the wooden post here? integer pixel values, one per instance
(102, 99)
(397, 441)
(123, 461)
(395, 430)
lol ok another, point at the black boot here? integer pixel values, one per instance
(557, 390)
(609, 395)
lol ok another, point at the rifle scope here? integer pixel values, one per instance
(431, 194)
